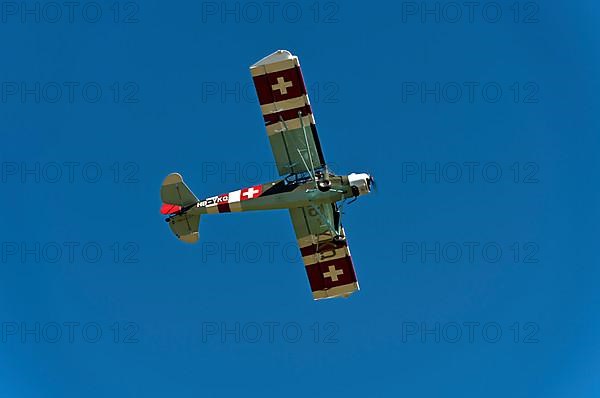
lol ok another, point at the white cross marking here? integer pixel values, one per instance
(281, 85)
(333, 273)
(250, 193)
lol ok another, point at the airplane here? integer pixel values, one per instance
(308, 189)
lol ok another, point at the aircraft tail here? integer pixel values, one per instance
(177, 199)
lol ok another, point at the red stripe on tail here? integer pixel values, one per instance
(169, 208)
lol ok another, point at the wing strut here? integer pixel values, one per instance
(290, 165)
(324, 219)
(312, 176)
(312, 166)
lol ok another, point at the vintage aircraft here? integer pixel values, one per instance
(308, 189)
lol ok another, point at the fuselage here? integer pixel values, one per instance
(286, 193)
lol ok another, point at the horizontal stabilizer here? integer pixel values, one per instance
(185, 227)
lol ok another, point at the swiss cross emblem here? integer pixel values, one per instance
(281, 85)
(333, 273)
(251, 193)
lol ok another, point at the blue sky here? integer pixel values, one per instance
(477, 257)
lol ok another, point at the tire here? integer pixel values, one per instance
(324, 185)
(339, 239)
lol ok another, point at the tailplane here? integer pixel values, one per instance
(177, 199)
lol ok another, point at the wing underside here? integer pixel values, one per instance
(328, 263)
(292, 132)
(287, 113)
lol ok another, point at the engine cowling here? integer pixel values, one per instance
(360, 183)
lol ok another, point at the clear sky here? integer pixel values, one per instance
(477, 259)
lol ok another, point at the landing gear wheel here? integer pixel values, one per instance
(324, 185)
(339, 239)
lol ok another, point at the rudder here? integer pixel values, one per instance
(174, 192)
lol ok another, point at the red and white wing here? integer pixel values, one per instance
(328, 263)
(287, 113)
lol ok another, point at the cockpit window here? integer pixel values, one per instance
(299, 178)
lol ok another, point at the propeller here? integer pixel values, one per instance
(372, 184)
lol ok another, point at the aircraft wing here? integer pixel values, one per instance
(287, 113)
(328, 264)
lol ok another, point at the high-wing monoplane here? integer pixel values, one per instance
(308, 188)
